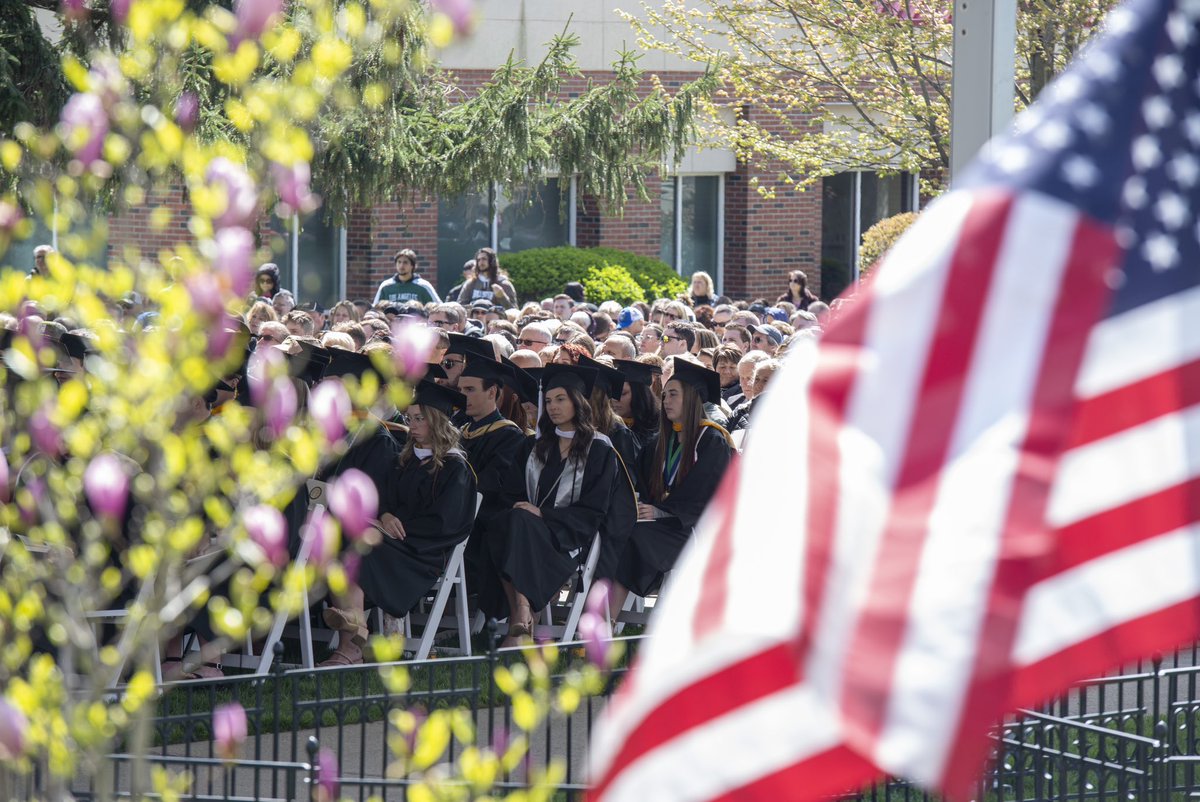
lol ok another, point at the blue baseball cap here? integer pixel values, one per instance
(776, 313)
(629, 315)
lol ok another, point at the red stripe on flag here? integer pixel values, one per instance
(1119, 645)
(722, 692)
(710, 609)
(1025, 541)
(876, 642)
(1134, 404)
(830, 774)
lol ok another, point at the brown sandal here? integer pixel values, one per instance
(340, 658)
(517, 632)
(354, 625)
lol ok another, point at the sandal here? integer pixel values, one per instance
(173, 670)
(517, 632)
(340, 658)
(355, 625)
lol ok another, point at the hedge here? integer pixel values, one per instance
(606, 273)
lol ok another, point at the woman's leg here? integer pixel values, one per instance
(350, 620)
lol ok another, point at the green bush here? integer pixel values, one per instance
(543, 272)
(879, 238)
(612, 282)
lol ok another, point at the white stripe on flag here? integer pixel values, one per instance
(1121, 586)
(896, 342)
(957, 565)
(1141, 343)
(1126, 466)
(729, 752)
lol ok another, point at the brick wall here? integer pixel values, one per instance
(132, 230)
(638, 228)
(373, 235)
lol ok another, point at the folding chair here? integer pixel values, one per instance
(576, 597)
(281, 618)
(636, 611)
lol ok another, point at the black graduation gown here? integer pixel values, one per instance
(436, 508)
(654, 546)
(492, 454)
(622, 512)
(535, 553)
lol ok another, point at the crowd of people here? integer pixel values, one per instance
(564, 416)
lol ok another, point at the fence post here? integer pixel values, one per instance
(314, 769)
(1161, 770)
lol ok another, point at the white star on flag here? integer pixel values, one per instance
(1160, 251)
(1184, 170)
(1171, 210)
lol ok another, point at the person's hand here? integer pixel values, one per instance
(530, 508)
(391, 527)
(498, 294)
(646, 512)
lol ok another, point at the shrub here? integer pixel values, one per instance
(879, 238)
(612, 282)
(542, 272)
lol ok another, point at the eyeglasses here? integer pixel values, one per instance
(268, 338)
(562, 342)
(450, 364)
(668, 337)
(439, 323)
(531, 342)
(795, 281)
(673, 317)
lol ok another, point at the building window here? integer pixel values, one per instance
(852, 203)
(311, 258)
(693, 236)
(513, 221)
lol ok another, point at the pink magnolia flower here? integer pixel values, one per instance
(234, 250)
(46, 438)
(327, 775)
(329, 405)
(74, 9)
(84, 112)
(326, 543)
(354, 501)
(106, 486)
(10, 216)
(254, 17)
(5, 493)
(219, 338)
(241, 198)
(280, 406)
(264, 365)
(229, 730)
(120, 10)
(13, 726)
(187, 111)
(412, 343)
(351, 565)
(293, 185)
(593, 625)
(206, 293)
(460, 12)
(268, 530)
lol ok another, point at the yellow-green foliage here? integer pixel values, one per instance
(880, 237)
(542, 272)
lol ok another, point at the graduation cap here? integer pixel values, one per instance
(523, 381)
(76, 346)
(348, 363)
(577, 376)
(434, 370)
(443, 399)
(637, 372)
(611, 379)
(310, 363)
(486, 369)
(706, 382)
(470, 346)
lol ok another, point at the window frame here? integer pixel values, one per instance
(676, 181)
(292, 225)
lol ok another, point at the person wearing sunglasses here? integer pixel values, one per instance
(271, 333)
(679, 338)
(534, 337)
(448, 317)
(797, 293)
(650, 340)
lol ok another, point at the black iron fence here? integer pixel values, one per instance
(1126, 738)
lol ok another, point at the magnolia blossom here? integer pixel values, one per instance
(254, 17)
(120, 10)
(86, 124)
(263, 365)
(45, 434)
(460, 12)
(329, 405)
(74, 9)
(106, 486)
(13, 726)
(327, 775)
(412, 343)
(187, 111)
(206, 293)
(293, 185)
(10, 216)
(5, 495)
(593, 624)
(229, 730)
(267, 529)
(280, 406)
(241, 198)
(322, 534)
(232, 255)
(354, 500)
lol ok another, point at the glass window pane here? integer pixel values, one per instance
(530, 217)
(882, 197)
(666, 249)
(319, 256)
(464, 226)
(20, 253)
(837, 233)
(700, 235)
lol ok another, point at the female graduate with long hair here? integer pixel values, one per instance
(678, 477)
(560, 498)
(638, 406)
(427, 509)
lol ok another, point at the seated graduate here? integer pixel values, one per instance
(638, 406)
(617, 525)
(679, 476)
(492, 442)
(561, 495)
(426, 511)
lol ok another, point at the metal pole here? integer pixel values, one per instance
(985, 33)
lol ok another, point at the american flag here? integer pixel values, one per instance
(983, 485)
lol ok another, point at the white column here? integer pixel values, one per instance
(985, 34)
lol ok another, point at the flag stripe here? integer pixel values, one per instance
(1135, 404)
(1079, 300)
(828, 774)
(710, 611)
(956, 566)
(879, 633)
